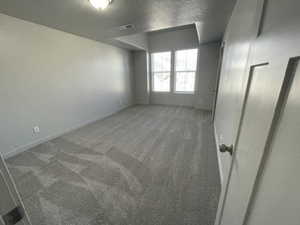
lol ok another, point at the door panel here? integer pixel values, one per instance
(242, 29)
(259, 107)
(271, 199)
(277, 189)
(233, 80)
(9, 196)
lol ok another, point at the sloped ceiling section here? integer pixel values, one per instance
(80, 18)
(139, 41)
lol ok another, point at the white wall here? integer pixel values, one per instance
(207, 75)
(141, 77)
(207, 67)
(57, 81)
(172, 40)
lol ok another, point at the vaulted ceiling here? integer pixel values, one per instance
(80, 18)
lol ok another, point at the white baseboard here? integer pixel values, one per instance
(217, 142)
(23, 148)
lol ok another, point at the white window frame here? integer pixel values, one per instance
(182, 71)
(173, 72)
(152, 72)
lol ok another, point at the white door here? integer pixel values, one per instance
(276, 198)
(240, 33)
(11, 207)
(274, 62)
(260, 104)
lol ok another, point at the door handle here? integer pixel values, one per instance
(224, 148)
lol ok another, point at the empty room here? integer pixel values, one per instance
(149, 112)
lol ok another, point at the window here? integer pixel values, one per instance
(161, 71)
(185, 70)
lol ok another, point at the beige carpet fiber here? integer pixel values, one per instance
(147, 165)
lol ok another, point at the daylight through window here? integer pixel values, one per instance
(185, 70)
(161, 71)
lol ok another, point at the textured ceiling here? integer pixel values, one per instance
(80, 18)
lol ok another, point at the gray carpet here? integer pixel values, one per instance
(147, 165)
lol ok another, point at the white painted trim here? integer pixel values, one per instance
(25, 147)
(217, 142)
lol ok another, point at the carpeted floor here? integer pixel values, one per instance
(147, 165)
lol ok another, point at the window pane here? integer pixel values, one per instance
(161, 82)
(185, 81)
(161, 62)
(186, 60)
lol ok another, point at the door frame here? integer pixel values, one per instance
(220, 63)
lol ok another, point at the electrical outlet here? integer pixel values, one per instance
(36, 130)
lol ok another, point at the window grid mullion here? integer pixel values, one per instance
(173, 79)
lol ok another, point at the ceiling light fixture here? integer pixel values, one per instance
(100, 4)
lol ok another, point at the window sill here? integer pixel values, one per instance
(184, 93)
(161, 92)
(175, 93)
